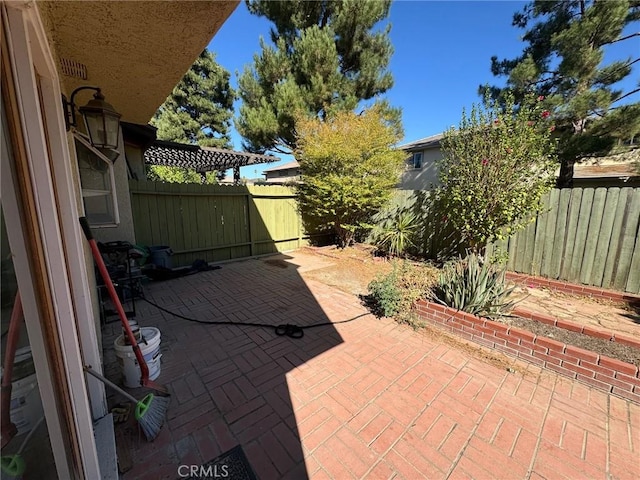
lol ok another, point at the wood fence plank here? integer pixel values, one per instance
(617, 231)
(559, 236)
(595, 221)
(623, 276)
(586, 204)
(549, 233)
(570, 236)
(604, 236)
(633, 282)
(541, 228)
(530, 244)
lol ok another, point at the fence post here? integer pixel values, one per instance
(250, 225)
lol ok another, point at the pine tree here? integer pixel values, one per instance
(200, 108)
(325, 58)
(563, 62)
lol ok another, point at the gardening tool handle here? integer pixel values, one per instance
(84, 223)
(97, 256)
(90, 371)
(8, 429)
(12, 340)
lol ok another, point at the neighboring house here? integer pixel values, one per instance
(51, 174)
(287, 173)
(421, 170)
(611, 171)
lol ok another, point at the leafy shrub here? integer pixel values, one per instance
(350, 168)
(474, 285)
(394, 294)
(385, 294)
(496, 167)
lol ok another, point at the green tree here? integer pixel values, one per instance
(563, 60)
(200, 108)
(198, 111)
(496, 167)
(325, 58)
(160, 173)
(349, 169)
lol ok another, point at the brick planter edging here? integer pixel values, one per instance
(600, 371)
(575, 327)
(573, 288)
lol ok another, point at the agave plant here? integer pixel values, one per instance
(474, 285)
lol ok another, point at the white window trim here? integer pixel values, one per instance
(82, 138)
(64, 252)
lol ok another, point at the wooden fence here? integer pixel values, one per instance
(582, 235)
(216, 222)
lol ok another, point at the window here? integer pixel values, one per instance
(417, 160)
(98, 184)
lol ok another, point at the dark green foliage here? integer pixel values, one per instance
(496, 167)
(385, 295)
(324, 58)
(200, 108)
(474, 285)
(395, 294)
(563, 60)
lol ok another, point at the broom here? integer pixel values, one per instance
(7, 428)
(14, 466)
(149, 412)
(145, 381)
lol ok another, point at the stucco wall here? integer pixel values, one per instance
(421, 178)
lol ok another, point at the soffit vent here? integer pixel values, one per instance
(72, 68)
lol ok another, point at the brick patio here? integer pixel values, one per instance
(366, 399)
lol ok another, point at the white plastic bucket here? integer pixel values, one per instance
(150, 351)
(26, 406)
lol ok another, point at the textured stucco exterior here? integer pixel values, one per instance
(421, 178)
(135, 51)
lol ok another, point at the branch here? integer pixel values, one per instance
(626, 95)
(637, 34)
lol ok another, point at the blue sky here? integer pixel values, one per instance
(442, 52)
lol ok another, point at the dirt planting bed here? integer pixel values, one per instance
(601, 346)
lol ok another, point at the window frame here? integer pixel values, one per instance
(419, 155)
(86, 192)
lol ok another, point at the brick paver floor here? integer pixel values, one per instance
(365, 399)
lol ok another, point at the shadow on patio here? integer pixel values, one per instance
(229, 384)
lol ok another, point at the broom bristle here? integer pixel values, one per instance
(150, 413)
(13, 467)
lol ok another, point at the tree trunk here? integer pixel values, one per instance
(565, 178)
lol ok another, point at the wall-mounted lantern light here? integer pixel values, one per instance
(100, 118)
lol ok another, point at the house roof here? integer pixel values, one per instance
(427, 142)
(201, 159)
(620, 170)
(285, 166)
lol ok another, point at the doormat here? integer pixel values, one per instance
(231, 465)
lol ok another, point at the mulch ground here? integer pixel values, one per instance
(356, 266)
(601, 346)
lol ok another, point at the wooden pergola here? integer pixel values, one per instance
(202, 159)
